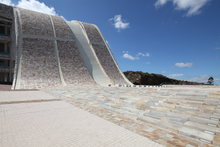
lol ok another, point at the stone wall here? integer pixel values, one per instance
(62, 29)
(34, 23)
(73, 68)
(6, 11)
(39, 64)
(48, 53)
(104, 55)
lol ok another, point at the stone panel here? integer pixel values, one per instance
(62, 29)
(104, 55)
(39, 67)
(35, 23)
(72, 66)
(6, 11)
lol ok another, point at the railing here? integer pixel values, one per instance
(6, 69)
(5, 55)
(5, 37)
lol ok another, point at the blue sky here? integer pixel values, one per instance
(176, 38)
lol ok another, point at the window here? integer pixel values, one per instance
(2, 30)
(2, 47)
(8, 31)
(8, 47)
(2, 63)
(5, 28)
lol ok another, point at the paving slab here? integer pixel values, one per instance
(172, 115)
(24, 96)
(58, 123)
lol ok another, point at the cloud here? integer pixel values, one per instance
(216, 79)
(182, 65)
(200, 78)
(118, 23)
(33, 5)
(129, 57)
(191, 6)
(143, 54)
(6, 2)
(126, 55)
(175, 75)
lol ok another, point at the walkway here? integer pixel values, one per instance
(34, 118)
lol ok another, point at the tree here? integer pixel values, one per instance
(211, 81)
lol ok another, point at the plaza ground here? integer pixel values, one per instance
(111, 116)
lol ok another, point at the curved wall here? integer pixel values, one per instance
(104, 55)
(88, 55)
(47, 53)
(38, 65)
(72, 66)
(53, 52)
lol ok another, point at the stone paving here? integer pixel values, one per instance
(28, 123)
(172, 116)
(13, 97)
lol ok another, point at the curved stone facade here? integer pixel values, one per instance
(74, 70)
(6, 11)
(39, 64)
(104, 55)
(50, 51)
(34, 23)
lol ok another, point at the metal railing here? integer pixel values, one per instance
(4, 55)
(6, 69)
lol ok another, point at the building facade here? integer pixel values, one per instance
(39, 51)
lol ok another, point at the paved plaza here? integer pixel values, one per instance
(37, 119)
(111, 116)
(172, 115)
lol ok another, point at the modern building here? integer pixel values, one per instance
(6, 59)
(39, 50)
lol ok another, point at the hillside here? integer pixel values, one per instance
(141, 78)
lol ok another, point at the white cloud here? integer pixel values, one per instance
(6, 2)
(118, 23)
(33, 5)
(175, 75)
(143, 54)
(192, 6)
(128, 56)
(182, 65)
(201, 78)
(160, 3)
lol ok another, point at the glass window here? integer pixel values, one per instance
(2, 47)
(2, 30)
(8, 47)
(8, 31)
(2, 63)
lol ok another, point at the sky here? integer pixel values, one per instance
(177, 38)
